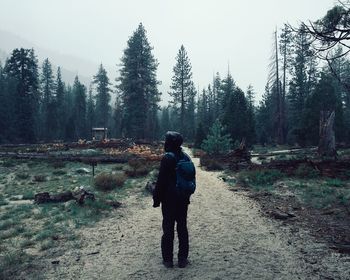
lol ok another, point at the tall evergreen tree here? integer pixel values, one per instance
(182, 89)
(79, 110)
(300, 85)
(60, 105)
(22, 67)
(90, 112)
(70, 121)
(48, 108)
(324, 98)
(251, 135)
(138, 86)
(285, 45)
(117, 116)
(275, 83)
(265, 118)
(102, 97)
(218, 96)
(165, 124)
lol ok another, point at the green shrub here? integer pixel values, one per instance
(306, 171)
(211, 163)
(260, 177)
(216, 142)
(136, 172)
(106, 182)
(9, 163)
(319, 196)
(118, 167)
(59, 172)
(22, 176)
(28, 195)
(4, 225)
(3, 201)
(335, 183)
(58, 164)
(137, 168)
(39, 178)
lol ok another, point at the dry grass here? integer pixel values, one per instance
(107, 182)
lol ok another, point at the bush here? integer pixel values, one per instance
(261, 177)
(137, 167)
(137, 162)
(306, 171)
(58, 164)
(3, 201)
(107, 182)
(39, 178)
(59, 172)
(9, 163)
(22, 176)
(335, 183)
(216, 143)
(211, 163)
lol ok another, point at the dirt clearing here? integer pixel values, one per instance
(229, 239)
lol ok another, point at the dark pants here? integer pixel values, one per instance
(171, 213)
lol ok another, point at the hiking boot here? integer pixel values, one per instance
(168, 264)
(183, 263)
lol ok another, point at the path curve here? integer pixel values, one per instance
(229, 239)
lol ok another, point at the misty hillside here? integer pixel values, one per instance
(70, 65)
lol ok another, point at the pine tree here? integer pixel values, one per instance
(265, 118)
(22, 67)
(251, 135)
(70, 120)
(275, 83)
(182, 89)
(165, 121)
(218, 97)
(79, 110)
(200, 136)
(217, 142)
(300, 85)
(202, 110)
(90, 113)
(117, 116)
(102, 97)
(60, 105)
(3, 106)
(48, 108)
(138, 86)
(286, 50)
(323, 98)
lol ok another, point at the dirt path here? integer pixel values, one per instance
(229, 239)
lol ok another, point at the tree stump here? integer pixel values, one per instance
(326, 146)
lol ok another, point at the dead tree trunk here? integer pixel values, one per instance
(326, 146)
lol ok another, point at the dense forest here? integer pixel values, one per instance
(309, 72)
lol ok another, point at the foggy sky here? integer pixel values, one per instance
(215, 34)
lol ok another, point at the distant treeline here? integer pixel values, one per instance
(36, 105)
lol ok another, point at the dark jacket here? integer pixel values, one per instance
(165, 189)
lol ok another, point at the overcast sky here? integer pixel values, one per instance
(214, 33)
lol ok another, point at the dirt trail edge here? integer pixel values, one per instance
(229, 239)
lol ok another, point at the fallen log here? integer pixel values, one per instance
(79, 196)
(77, 158)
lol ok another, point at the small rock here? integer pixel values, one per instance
(82, 170)
(55, 262)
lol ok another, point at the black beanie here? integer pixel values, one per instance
(173, 140)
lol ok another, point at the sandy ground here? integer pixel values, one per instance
(229, 239)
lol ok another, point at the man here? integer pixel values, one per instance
(174, 203)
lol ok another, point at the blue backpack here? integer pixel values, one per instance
(185, 175)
